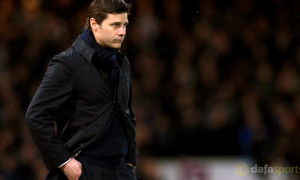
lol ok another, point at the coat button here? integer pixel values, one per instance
(100, 124)
(104, 75)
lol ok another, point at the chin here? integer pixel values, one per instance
(117, 46)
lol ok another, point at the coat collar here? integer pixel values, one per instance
(84, 49)
(88, 52)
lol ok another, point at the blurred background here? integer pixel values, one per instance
(215, 83)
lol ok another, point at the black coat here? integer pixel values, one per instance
(76, 95)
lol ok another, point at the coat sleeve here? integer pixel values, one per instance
(55, 88)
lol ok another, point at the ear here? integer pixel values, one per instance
(93, 24)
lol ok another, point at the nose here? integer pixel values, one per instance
(122, 31)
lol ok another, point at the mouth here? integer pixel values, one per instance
(118, 40)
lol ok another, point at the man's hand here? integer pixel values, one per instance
(72, 169)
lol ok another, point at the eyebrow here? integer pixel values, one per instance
(126, 23)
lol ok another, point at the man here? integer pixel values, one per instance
(81, 116)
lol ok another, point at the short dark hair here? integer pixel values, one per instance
(100, 8)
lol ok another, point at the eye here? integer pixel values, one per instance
(116, 25)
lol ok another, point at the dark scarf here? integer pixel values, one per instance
(108, 55)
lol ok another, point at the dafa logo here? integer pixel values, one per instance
(243, 169)
(262, 170)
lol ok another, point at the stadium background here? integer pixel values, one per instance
(212, 80)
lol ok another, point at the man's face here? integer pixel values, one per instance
(111, 32)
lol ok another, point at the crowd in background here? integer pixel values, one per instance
(210, 78)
